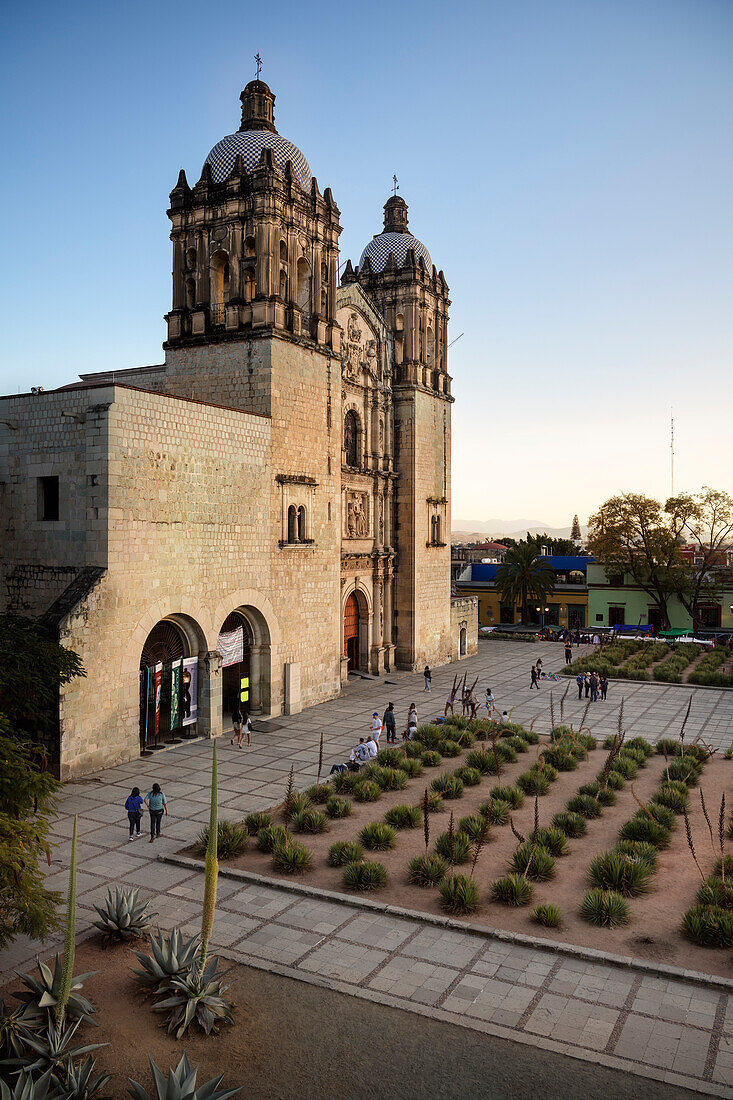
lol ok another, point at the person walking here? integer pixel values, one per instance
(390, 724)
(412, 723)
(246, 730)
(376, 727)
(580, 681)
(568, 652)
(157, 805)
(236, 726)
(428, 677)
(534, 683)
(134, 807)
(489, 701)
(604, 687)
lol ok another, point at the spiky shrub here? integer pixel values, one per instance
(666, 746)
(81, 1081)
(431, 758)
(584, 805)
(708, 926)
(723, 866)
(591, 788)
(572, 824)
(642, 744)
(587, 741)
(41, 993)
(365, 875)
(686, 769)
(309, 821)
(625, 767)
(449, 748)
(637, 755)
(232, 839)
(459, 843)
(255, 821)
(606, 797)
(344, 851)
(367, 791)
(482, 761)
(497, 811)
(172, 957)
(427, 870)
(457, 720)
(459, 894)
(618, 871)
(390, 758)
(412, 767)
(344, 782)
(463, 737)
(644, 828)
(534, 861)
(640, 850)
(474, 827)
(197, 997)
(518, 743)
(123, 915)
(513, 795)
(615, 781)
(291, 858)
(269, 837)
(449, 786)
(430, 735)
(378, 837)
(561, 758)
(553, 839)
(507, 753)
(12, 1030)
(559, 733)
(392, 779)
(181, 1083)
(414, 749)
(529, 736)
(470, 777)
(661, 814)
(534, 782)
(339, 807)
(513, 890)
(604, 908)
(403, 817)
(49, 1049)
(299, 802)
(714, 891)
(549, 916)
(319, 792)
(434, 803)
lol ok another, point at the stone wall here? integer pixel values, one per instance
(463, 616)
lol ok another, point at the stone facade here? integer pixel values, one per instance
(284, 475)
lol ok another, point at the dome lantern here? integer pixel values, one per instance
(258, 107)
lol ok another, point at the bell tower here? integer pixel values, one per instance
(397, 274)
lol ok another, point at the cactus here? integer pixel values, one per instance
(123, 915)
(172, 957)
(181, 1085)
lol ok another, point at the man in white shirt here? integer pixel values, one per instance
(372, 748)
(360, 754)
(376, 726)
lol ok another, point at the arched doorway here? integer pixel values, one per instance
(168, 683)
(463, 641)
(351, 632)
(244, 644)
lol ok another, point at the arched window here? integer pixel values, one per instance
(249, 248)
(324, 303)
(284, 285)
(191, 259)
(304, 286)
(292, 523)
(301, 524)
(219, 285)
(190, 293)
(399, 339)
(249, 284)
(351, 438)
(430, 351)
(283, 252)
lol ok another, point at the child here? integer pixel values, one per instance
(134, 807)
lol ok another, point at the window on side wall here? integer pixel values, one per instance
(48, 498)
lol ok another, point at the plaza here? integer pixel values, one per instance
(637, 1017)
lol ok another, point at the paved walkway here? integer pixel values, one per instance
(596, 1011)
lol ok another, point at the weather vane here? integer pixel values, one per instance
(258, 59)
(395, 185)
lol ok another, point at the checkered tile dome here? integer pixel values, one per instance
(250, 144)
(399, 244)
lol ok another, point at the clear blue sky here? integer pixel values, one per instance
(567, 163)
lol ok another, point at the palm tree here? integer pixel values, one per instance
(522, 576)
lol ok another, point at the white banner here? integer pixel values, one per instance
(189, 691)
(231, 647)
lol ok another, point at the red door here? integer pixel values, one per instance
(351, 632)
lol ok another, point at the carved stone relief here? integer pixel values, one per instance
(357, 515)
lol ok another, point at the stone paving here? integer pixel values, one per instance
(678, 1031)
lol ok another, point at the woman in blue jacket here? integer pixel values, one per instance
(134, 807)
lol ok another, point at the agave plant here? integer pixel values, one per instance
(172, 957)
(80, 1082)
(11, 1025)
(124, 916)
(181, 1085)
(26, 1088)
(50, 1048)
(41, 995)
(196, 996)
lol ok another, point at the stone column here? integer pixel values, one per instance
(209, 705)
(179, 294)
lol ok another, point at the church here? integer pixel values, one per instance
(265, 513)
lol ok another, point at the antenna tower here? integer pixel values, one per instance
(671, 447)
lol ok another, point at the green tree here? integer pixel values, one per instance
(27, 798)
(554, 546)
(704, 519)
(523, 576)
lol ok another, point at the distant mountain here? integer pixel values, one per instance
(472, 530)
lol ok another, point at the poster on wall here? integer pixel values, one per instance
(231, 647)
(189, 691)
(176, 693)
(158, 694)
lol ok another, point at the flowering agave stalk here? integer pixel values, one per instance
(211, 871)
(67, 969)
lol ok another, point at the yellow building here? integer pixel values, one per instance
(567, 607)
